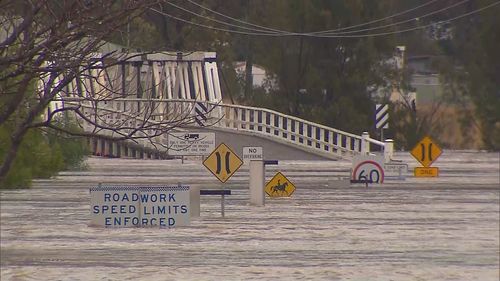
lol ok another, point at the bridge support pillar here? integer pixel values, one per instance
(388, 150)
(116, 149)
(125, 150)
(257, 182)
(100, 147)
(107, 146)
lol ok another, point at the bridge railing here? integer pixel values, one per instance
(285, 128)
(268, 123)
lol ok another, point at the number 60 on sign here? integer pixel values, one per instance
(368, 169)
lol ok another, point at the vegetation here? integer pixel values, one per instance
(328, 73)
(41, 155)
(45, 46)
(331, 79)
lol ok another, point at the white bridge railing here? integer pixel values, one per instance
(309, 136)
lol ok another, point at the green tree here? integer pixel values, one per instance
(44, 46)
(474, 51)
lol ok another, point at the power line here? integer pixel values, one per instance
(219, 21)
(400, 22)
(326, 32)
(285, 33)
(317, 32)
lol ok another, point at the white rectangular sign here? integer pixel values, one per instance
(191, 143)
(252, 153)
(395, 170)
(139, 206)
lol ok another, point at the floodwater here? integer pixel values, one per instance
(444, 228)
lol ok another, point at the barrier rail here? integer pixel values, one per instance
(268, 123)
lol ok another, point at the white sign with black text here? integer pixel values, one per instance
(395, 170)
(252, 153)
(191, 143)
(117, 207)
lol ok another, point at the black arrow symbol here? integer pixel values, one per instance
(227, 162)
(217, 154)
(430, 152)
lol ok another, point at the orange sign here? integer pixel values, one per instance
(426, 172)
(279, 186)
(426, 151)
(223, 162)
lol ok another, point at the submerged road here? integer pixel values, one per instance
(445, 228)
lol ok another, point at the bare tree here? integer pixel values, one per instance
(53, 64)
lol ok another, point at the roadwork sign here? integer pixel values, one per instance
(223, 162)
(426, 172)
(279, 186)
(426, 151)
(116, 206)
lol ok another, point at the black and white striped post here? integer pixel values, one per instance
(200, 113)
(381, 118)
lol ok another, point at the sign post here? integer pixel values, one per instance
(279, 186)
(368, 169)
(223, 162)
(252, 153)
(426, 151)
(118, 207)
(381, 118)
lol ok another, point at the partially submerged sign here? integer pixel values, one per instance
(223, 162)
(368, 168)
(191, 143)
(252, 153)
(279, 186)
(426, 151)
(395, 170)
(426, 172)
(116, 206)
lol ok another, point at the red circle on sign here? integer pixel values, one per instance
(368, 162)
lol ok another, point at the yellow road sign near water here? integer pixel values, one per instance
(223, 162)
(426, 172)
(426, 151)
(279, 186)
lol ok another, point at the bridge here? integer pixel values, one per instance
(144, 97)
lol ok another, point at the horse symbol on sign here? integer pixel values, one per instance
(279, 186)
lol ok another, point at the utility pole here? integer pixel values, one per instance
(249, 59)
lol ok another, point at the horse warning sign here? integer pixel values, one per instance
(279, 186)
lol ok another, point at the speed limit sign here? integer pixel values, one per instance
(368, 168)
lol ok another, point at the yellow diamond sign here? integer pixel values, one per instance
(426, 151)
(279, 186)
(223, 162)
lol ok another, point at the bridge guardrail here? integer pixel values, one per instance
(314, 137)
